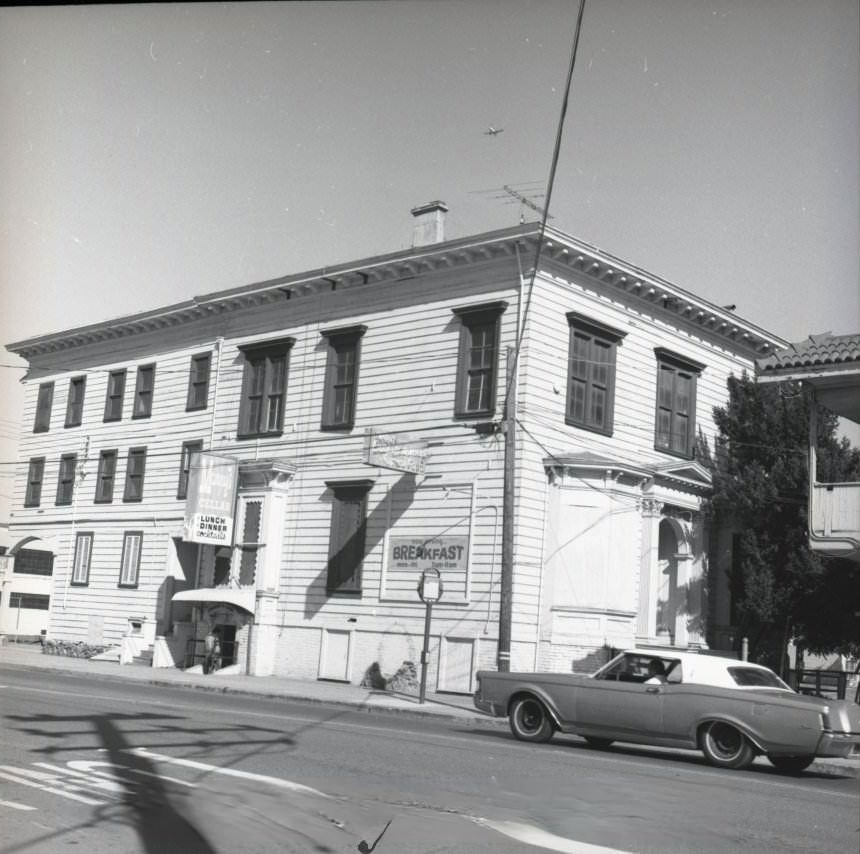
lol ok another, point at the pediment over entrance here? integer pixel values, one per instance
(687, 473)
(263, 474)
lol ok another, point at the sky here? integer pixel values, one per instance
(149, 153)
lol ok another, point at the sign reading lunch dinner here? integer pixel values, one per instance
(211, 499)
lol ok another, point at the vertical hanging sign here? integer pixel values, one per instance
(211, 499)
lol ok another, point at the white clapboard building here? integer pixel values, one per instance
(284, 460)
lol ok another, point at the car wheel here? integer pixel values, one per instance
(594, 741)
(530, 720)
(725, 746)
(791, 764)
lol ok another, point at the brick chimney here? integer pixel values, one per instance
(429, 224)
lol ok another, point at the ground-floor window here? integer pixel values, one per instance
(29, 601)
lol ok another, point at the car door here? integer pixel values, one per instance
(615, 709)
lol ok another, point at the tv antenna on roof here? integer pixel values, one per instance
(523, 195)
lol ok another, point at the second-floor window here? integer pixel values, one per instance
(675, 420)
(143, 389)
(66, 478)
(113, 398)
(134, 471)
(83, 553)
(591, 374)
(75, 403)
(198, 381)
(35, 475)
(478, 359)
(188, 448)
(42, 422)
(264, 388)
(105, 477)
(341, 377)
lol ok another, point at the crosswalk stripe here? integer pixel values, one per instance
(63, 793)
(15, 805)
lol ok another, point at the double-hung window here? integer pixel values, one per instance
(198, 381)
(113, 398)
(66, 478)
(129, 571)
(134, 471)
(35, 475)
(347, 535)
(143, 389)
(75, 402)
(83, 553)
(105, 477)
(264, 388)
(591, 374)
(478, 360)
(44, 401)
(675, 420)
(341, 377)
(188, 448)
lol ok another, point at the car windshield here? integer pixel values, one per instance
(754, 677)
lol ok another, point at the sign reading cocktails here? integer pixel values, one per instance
(211, 499)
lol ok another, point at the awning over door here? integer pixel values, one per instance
(240, 597)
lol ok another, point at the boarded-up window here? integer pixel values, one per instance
(34, 562)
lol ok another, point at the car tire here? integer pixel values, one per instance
(530, 720)
(601, 743)
(791, 764)
(725, 746)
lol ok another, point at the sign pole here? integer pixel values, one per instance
(430, 589)
(425, 652)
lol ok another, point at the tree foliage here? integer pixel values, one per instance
(780, 588)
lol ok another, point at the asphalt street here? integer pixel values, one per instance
(123, 766)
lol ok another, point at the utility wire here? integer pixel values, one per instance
(549, 188)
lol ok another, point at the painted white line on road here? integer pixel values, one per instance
(63, 793)
(230, 772)
(89, 766)
(14, 805)
(543, 839)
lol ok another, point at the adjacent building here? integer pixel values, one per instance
(285, 460)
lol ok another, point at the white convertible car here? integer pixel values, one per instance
(730, 710)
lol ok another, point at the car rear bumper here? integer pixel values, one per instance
(839, 744)
(486, 706)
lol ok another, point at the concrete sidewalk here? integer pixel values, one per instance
(452, 706)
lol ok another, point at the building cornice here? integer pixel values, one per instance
(558, 249)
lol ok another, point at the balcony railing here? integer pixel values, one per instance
(834, 519)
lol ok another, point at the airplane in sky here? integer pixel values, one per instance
(492, 131)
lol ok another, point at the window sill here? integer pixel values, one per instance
(196, 408)
(681, 455)
(270, 434)
(345, 426)
(141, 416)
(127, 586)
(79, 584)
(602, 431)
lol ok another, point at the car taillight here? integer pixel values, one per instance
(825, 722)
